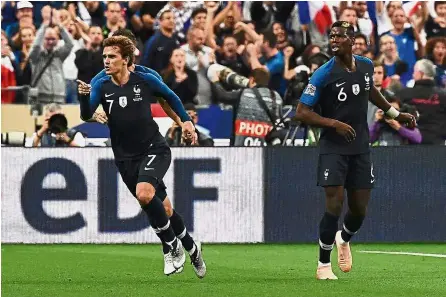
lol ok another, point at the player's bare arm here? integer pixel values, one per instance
(378, 99)
(306, 115)
(169, 111)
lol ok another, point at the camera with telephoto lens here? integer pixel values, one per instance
(14, 138)
(228, 76)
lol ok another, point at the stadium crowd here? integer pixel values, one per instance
(50, 45)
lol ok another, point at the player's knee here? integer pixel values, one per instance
(168, 207)
(145, 193)
(334, 202)
(169, 210)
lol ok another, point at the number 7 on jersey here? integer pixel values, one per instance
(151, 158)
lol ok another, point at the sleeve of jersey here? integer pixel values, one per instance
(144, 69)
(312, 92)
(89, 103)
(160, 88)
(98, 77)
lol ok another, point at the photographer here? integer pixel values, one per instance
(173, 135)
(256, 107)
(54, 131)
(387, 132)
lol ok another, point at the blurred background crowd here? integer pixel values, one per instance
(49, 45)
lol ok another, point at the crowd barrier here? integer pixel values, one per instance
(233, 195)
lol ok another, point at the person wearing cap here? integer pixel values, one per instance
(24, 14)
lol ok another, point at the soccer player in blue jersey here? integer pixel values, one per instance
(342, 88)
(141, 153)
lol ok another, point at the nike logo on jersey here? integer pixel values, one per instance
(147, 168)
(108, 95)
(338, 85)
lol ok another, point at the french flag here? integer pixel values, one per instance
(411, 7)
(316, 11)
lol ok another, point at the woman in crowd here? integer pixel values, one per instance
(182, 80)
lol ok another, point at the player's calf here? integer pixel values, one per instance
(155, 210)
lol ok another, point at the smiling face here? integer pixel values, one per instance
(27, 36)
(340, 42)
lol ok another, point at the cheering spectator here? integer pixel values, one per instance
(159, 47)
(89, 59)
(224, 22)
(436, 52)
(47, 61)
(9, 68)
(394, 67)
(182, 11)
(437, 27)
(360, 45)
(384, 11)
(80, 38)
(430, 101)
(406, 39)
(24, 16)
(271, 60)
(182, 80)
(389, 132)
(230, 58)
(25, 41)
(198, 58)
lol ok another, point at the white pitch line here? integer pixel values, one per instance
(405, 253)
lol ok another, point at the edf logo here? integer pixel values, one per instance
(33, 195)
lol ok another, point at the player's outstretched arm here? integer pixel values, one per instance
(89, 101)
(379, 101)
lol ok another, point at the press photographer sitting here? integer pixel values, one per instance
(256, 108)
(387, 132)
(173, 135)
(55, 132)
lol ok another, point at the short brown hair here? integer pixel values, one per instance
(125, 45)
(261, 77)
(378, 63)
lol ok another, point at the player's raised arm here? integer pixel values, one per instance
(89, 100)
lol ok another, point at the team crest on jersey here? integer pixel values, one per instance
(310, 90)
(355, 89)
(137, 92)
(123, 101)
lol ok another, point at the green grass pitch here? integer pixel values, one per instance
(233, 270)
